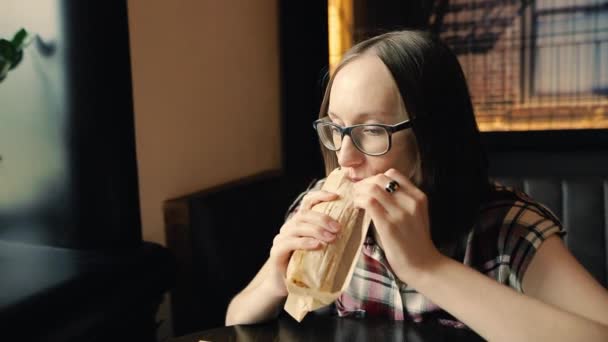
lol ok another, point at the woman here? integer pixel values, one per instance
(445, 244)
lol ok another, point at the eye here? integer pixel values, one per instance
(334, 130)
(373, 131)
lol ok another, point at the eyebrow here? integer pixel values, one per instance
(362, 116)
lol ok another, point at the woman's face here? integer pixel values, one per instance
(363, 91)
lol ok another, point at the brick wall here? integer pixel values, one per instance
(487, 37)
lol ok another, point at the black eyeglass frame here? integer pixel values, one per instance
(390, 129)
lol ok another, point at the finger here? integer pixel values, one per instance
(323, 221)
(311, 230)
(366, 202)
(405, 183)
(376, 211)
(414, 199)
(374, 186)
(317, 196)
(312, 224)
(320, 219)
(290, 244)
(399, 200)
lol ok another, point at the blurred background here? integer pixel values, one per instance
(530, 65)
(256, 74)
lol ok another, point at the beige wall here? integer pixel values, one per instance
(206, 94)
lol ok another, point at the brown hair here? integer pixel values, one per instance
(432, 85)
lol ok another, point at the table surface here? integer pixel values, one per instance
(319, 328)
(84, 289)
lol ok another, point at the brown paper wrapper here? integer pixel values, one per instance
(317, 278)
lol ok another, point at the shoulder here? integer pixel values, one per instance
(510, 229)
(509, 208)
(316, 184)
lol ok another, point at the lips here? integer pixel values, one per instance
(350, 175)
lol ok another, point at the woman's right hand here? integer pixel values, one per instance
(305, 230)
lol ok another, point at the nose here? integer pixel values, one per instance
(349, 155)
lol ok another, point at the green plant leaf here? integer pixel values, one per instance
(4, 67)
(11, 52)
(17, 59)
(19, 39)
(7, 50)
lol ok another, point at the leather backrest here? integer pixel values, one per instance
(577, 192)
(221, 237)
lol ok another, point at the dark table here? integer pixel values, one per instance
(61, 294)
(322, 328)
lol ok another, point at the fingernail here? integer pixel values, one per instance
(334, 226)
(328, 235)
(312, 243)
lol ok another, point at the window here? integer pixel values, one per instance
(570, 48)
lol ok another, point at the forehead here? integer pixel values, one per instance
(365, 87)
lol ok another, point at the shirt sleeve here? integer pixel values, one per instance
(525, 227)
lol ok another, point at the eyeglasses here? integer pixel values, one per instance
(371, 139)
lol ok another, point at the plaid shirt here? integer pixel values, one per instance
(501, 244)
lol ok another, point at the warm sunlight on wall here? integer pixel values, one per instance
(206, 97)
(341, 24)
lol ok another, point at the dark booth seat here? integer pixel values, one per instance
(221, 237)
(59, 294)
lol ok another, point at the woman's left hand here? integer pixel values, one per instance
(402, 222)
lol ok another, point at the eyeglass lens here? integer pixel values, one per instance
(371, 139)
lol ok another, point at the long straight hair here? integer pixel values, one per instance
(432, 85)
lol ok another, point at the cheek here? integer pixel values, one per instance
(403, 154)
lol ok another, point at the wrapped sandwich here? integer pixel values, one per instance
(316, 278)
